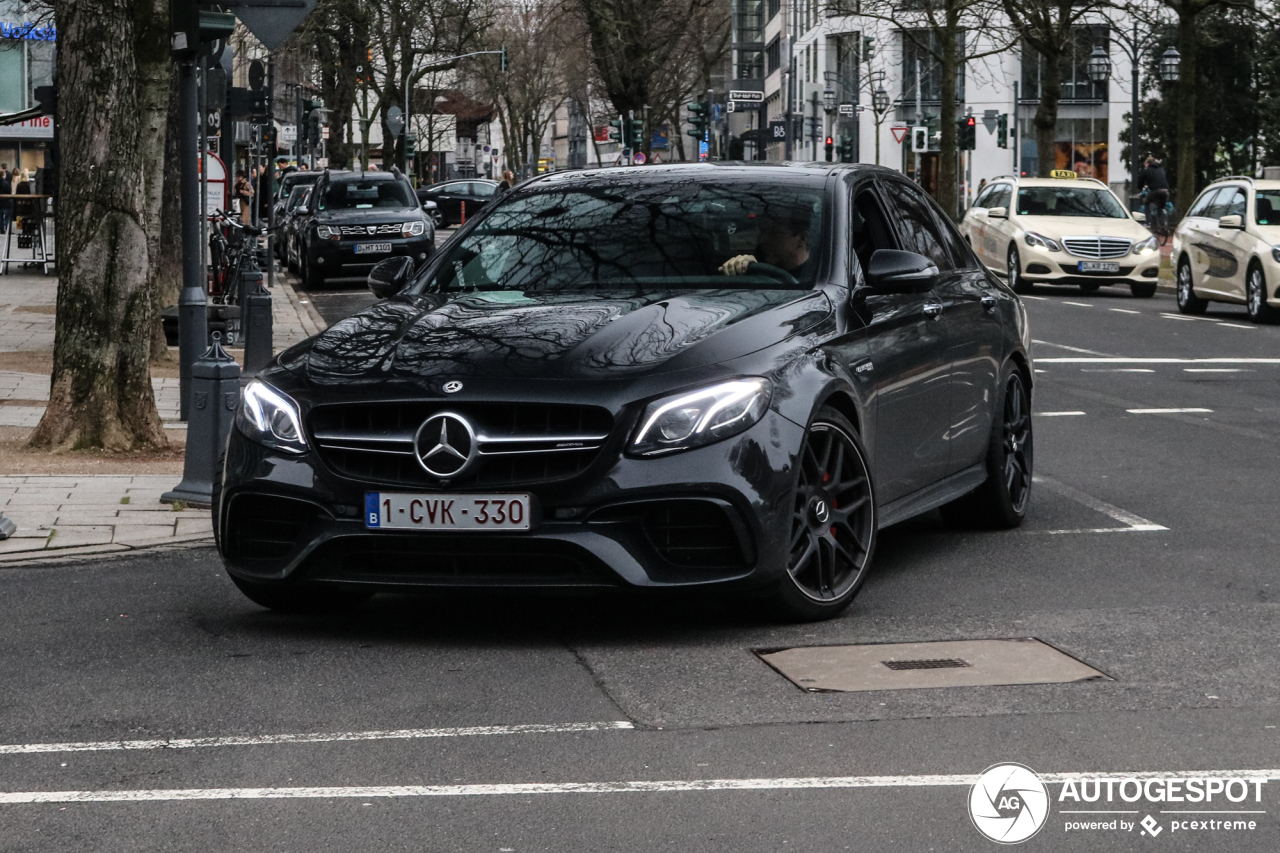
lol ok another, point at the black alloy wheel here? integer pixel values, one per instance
(1016, 281)
(833, 523)
(1001, 502)
(1016, 442)
(1256, 298)
(1188, 302)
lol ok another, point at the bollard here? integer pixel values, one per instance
(463, 218)
(215, 396)
(255, 322)
(7, 527)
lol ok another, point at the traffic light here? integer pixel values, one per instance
(191, 27)
(868, 47)
(410, 144)
(47, 100)
(968, 133)
(700, 119)
(314, 131)
(267, 133)
(636, 139)
(618, 131)
(830, 145)
(502, 60)
(844, 150)
(1002, 130)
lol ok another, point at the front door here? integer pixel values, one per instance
(1230, 246)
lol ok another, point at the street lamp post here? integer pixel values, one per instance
(1134, 48)
(828, 107)
(880, 102)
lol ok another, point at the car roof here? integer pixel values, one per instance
(347, 175)
(1256, 183)
(1088, 183)
(729, 170)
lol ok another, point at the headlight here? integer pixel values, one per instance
(1275, 254)
(1147, 246)
(684, 421)
(324, 232)
(1038, 241)
(412, 229)
(269, 417)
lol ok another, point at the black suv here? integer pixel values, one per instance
(359, 218)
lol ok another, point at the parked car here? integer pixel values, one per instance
(284, 219)
(704, 375)
(450, 196)
(1227, 249)
(1065, 231)
(288, 183)
(355, 219)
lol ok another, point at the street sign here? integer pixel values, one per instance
(324, 132)
(257, 75)
(728, 107)
(394, 121)
(271, 21)
(778, 130)
(900, 133)
(846, 109)
(213, 122)
(919, 139)
(639, 159)
(746, 99)
(288, 133)
(715, 112)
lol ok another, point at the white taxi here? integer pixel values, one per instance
(1227, 249)
(1061, 230)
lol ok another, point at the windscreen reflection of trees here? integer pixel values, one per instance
(667, 236)
(369, 194)
(1051, 201)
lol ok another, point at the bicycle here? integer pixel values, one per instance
(232, 252)
(1158, 218)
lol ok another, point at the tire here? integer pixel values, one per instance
(1143, 290)
(831, 546)
(1016, 281)
(312, 279)
(1001, 502)
(300, 598)
(1188, 302)
(1090, 287)
(1256, 297)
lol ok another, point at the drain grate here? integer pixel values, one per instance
(934, 663)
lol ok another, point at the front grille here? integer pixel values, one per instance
(1098, 247)
(935, 663)
(519, 443)
(364, 230)
(265, 527)
(692, 533)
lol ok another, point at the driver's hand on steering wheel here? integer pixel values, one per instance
(737, 265)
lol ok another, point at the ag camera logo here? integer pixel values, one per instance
(1008, 804)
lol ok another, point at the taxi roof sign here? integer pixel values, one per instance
(1063, 174)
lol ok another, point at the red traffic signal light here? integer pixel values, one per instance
(972, 121)
(830, 142)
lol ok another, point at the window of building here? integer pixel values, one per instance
(13, 95)
(774, 6)
(1080, 145)
(751, 20)
(751, 64)
(919, 47)
(773, 55)
(1076, 85)
(39, 67)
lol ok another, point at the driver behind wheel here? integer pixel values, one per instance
(783, 243)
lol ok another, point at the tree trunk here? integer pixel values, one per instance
(1046, 120)
(100, 393)
(166, 271)
(946, 195)
(1185, 186)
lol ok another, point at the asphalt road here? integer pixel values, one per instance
(449, 723)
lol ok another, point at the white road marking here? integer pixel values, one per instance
(1215, 370)
(1077, 304)
(316, 737)
(1133, 523)
(1213, 320)
(1169, 411)
(1126, 311)
(1117, 370)
(1237, 326)
(1056, 414)
(1178, 317)
(1126, 360)
(627, 787)
(1069, 349)
(1037, 298)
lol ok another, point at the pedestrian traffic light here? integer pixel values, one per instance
(190, 27)
(967, 128)
(830, 145)
(700, 119)
(844, 149)
(47, 100)
(410, 144)
(868, 47)
(1002, 130)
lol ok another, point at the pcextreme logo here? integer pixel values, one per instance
(1008, 803)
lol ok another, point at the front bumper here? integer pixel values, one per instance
(1044, 267)
(339, 257)
(718, 514)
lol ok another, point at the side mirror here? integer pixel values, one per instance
(1235, 221)
(998, 213)
(1139, 216)
(892, 271)
(302, 210)
(390, 276)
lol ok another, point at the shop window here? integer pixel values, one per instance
(13, 95)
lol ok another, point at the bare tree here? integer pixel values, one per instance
(950, 33)
(705, 47)
(338, 31)
(1051, 28)
(113, 70)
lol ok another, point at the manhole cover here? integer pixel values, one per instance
(905, 666)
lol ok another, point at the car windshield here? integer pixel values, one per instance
(1267, 207)
(359, 195)
(1069, 201)
(670, 234)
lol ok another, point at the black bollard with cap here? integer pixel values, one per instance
(255, 321)
(215, 396)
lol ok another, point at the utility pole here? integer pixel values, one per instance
(271, 173)
(193, 315)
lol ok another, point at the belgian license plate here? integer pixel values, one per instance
(396, 511)
(1099, 266)
(372, 248)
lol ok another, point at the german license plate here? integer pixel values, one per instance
(372, 248)
(395, 511)
(1099, 266)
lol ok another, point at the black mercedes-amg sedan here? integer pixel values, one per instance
(724, 375)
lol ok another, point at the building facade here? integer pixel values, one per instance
(26, 61)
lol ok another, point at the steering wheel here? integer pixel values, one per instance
(773, 272)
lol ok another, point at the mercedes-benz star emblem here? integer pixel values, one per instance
(445, 445)
(820, 511)
(453, 386)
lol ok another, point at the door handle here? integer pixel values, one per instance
(932, 310)
(988, 302)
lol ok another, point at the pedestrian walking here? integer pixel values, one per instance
(508, 181)
(243, 193)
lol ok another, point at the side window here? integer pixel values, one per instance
(1202, 203)
(1001, 197)
(1237, 203)
(1216, 209)
(869, 228)
(985, 196)
(916, 224)
(483, 190)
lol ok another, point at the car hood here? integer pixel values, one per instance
(552, 336)
(368, 216)
(1057, 227)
